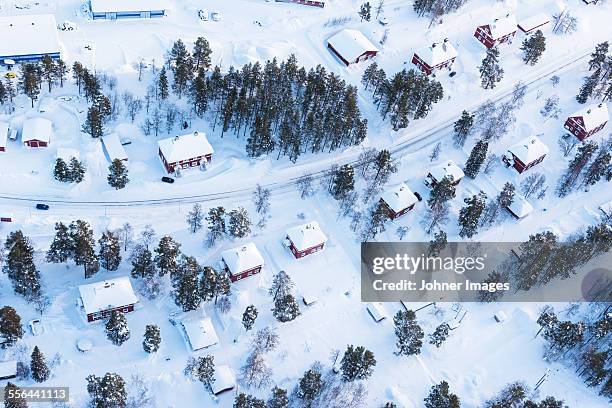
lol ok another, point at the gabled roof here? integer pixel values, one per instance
(593, 115)
(529, 23)
(37, 129)
(399, 198)
(437, 53)
(520, 207)
(185, 147)
(351, 44)
(114, 148)
(224, 379)
(8, 368)
(199, 330)
(101, 6)
(503, 26)
(306, 236)
(28, 35)
(449, 168)
(67, 153)
(529, 149)
(108, 294)
(242, 258)
(4, 129)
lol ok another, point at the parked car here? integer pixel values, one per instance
(166, 179)
(215, 16)
(418, 196)
(10, 75)
(36, 327)
(203, 14)
(383, 20)
(41, 206)
(67, 26)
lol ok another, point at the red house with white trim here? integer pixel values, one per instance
(448, 169)
(588, 121)
(242, 262)
(186, 151)
(36, 132)
(398, 201)
(435, 57)
(351, 46)
(4, 130)
(305, 239)
(526, 154)
(500, 31)
(99, 299)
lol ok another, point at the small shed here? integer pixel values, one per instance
(500, 316)
(531, 24)
(526, 154)
(520, 208)
(435, 57)
(309, 298)
(398, 201)
(36, 132)
(351, 46)
(447, 169)
(377, 311)
(225, 379)
(242, 261)
(588, 121)
(113, 148)
(501, 30)
(305, 239)
(199, 331)
(4, 132)
(8, 369)
(99, 299)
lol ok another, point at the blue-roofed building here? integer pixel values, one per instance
(28, 37)
(126, 9)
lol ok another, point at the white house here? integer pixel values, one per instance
(531, 24)
(8, 369)
(377, 311)
(351, 46)
(183, 152)
(28, 37)
(199, 331)
(305, 239)
(520, 208)
(225, 379)
(113, 148)
(242, 261)
(36, 132)
(99, 299)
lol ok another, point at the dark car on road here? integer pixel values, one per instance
(42, 207)
(167, 179)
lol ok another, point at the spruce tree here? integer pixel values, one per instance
(142, 263)
(408, 332)
(278, 399)
(107, 392)
(587, 88)
(76, 171)
(38, 366)
(10, 327)
(343, 181)
(162, 84)
(286, 309)
(117, 329)
(439, 335)
(195, 218)
(82, 244)
(476, 159)
(506, 196)
(437, 244)
(152, 338)
(442, 191)
(110, 251)
(598, 57)
(469, 216)
(243, 400)
(61, 171)
(185, 284)
(239, 223)
(533, 47)
(594, 367)
(166, 255)
(357, 364)
(600, 168)
(94, 124)
(365, 11)
(19, 266)
(10, 401)
(216, 225)
(282, 285)
(206, 370)
(249, 316)
(201, 54)
(310, 384)
(61, 248)
(117, 175)
(30, 81)
(441, 397)
(490, 71)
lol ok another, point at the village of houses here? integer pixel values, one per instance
(305, 236)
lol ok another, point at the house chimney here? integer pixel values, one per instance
(195, 133)
(589, 111)
(175, 138)
(600, 105)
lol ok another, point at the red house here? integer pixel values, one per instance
(242, 262)
(4, 129)
(186, 151)
(351, 46)
(314, 3)
(588, 121)
(526, 154)
(99, 299)
(434, 57)
(305, 239)
(448, 169)
(398, 201)
(36, 132)
(502, 30)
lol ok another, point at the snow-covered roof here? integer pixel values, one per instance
(593, 115)
(4, 129)
(107, 294)
(529, 149)
(185, 147)
(377, 311)
(529, 23)
(351, 44)
(503, 26)
(199, 330)
(37, 129)
(242, 258)
(8, 369)
(28, 35)
(67, 153)
(449, 168)
(224, 379)
(437, 53)
(306, 236)
(114, 148)
(520, 207)
(102, 6)
(400, 197)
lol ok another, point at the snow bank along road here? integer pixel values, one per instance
(411, 141)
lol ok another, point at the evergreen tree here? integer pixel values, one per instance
(10, 327)
(476, 159)
(38, 366)
(166, 255)
(19, 266)
(30, 81)
(239, 223)
(563, 336)
(375, 223)
(408, 332)
(587, 88)
(248, 401)
(598, 57)
(249, 316)
(594, 363)
(201, 54)
(162, 84)
(600, 168)
(441, 397)
(82, 244)
(490, 71)
(117, 329)
(110, 251)
(469, 216)
(576, 166)
(152, 338)
(282, 285)
(47, 67)
(9, 397)
(506, 196)
(94, 124)
(142, 263)
(61, 248)
(117, 175)
(60, 72)
(278, 399)
(107, 392)
(357, 363)
(310, 384)
(534, 255)
(216, 224)
(185, 284)
(437, 244)
(533, 47)
(286, 309)
(195, 218)
(365, 11)
(61, 171)
(343, 181)
(439, 335)
(76, 171)
(442, 191)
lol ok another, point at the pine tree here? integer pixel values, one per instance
(152, 338)
(442, 191)
(166, 255)
(594, 363)
(248, 401)
(278, 399)
(534, 255)
(437, 244)
(476, 159)
(19, 266)
(576, 166)
(239, 224)
(61, 248)
(110, 251)
(9, 397)
(216, 224)
(201, 54)
(506, 196)
(162, 84)
(441, 397)
(38, 366)
(117, 329)
(286, 309)
(357, 364)
(107, 392)
(61, 171)
(598, 57)
(365, 11)
(185, 284)
(47, 67)
(195, 218)
(30, 81)
(117, 175)
(310, 384)
(82, 244)
(469, 216)
(94, 124)
(490, 71)
(343, 181)
(408, 332)
(533, 47)
(587, 88)
(282, 285)
(439, 335)
(60, 72)
(76, 171)
(10, 327)
(249, 316)
(142, 263)
(600, 168)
